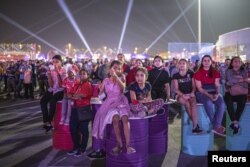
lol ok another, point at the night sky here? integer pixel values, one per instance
(101, 22)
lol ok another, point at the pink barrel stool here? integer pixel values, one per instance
(61, 137)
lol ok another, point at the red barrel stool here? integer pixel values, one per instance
(61, 137)
(138, 140)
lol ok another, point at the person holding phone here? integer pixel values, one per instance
(56, 74)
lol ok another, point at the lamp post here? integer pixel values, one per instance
(199, 26)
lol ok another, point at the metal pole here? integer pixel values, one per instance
(199, 26)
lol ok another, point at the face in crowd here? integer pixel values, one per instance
(236, 63)
(227, 62)
(138, 63)
(206, 62)
(141, 75)
(120, 57)
(182, 65)
(115, 68)
(133, 62)
(57, 63)
(71, 74)
(83, 74)
(157, 62)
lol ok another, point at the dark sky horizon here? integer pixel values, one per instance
(101, 22)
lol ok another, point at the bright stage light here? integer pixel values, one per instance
(130, 4)
(9, 20)
(73, 23)
(171, 25)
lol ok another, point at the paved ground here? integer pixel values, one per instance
(23, 142)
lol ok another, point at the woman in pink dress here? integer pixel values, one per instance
(114, 108)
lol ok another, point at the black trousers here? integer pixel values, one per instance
(20, 86)
(240, 101)
(28, 90)
(75, 124)
(43, 86)
(11, 85)
(158, 93)
(49, 98)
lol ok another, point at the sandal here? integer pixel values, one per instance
(130, 150)
(116, 150)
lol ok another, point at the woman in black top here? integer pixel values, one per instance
(184, 89)
(159, 80)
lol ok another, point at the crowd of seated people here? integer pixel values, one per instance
(148, 85)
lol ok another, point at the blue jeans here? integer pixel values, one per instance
(83, 127)
(216, 116)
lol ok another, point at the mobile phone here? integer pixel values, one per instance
(51, 67)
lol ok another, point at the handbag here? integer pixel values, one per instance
(210, 88)
(84, 113)
(236, 90)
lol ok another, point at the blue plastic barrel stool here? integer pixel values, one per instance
(198, 145)
(240, 141)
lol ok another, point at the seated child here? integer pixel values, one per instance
(140, 94)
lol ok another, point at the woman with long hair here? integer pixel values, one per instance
(236, 75)
(207, 81)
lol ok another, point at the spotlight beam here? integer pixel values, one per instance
(73, 23)
(58, 21)
(43, 29)
(130, 4)
(186, 20)
(171, 25)
(9, 20)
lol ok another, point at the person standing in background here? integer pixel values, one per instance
(27, 82)
(81, 114)
(42, 78)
